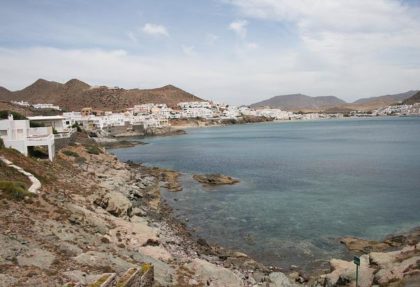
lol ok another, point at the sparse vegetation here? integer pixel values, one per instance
(5, 114)
(14, 189)
(93, 150)
(71, 153)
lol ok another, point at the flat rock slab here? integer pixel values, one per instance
(36, 257)
(102, 260)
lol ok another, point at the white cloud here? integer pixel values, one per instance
(252, 45)
(239, 27)
(155, 30)
(229, 79)
(188, 50)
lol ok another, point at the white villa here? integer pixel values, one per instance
(19, 135)
(61, 126)
(46, 106)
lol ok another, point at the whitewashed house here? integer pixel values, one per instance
(19, 135)
(60, 124)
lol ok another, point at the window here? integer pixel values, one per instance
(3, 133)
(20, 131)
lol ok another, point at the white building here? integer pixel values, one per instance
(61, 126)
(21, 103)
(46, 106)
(19, 135)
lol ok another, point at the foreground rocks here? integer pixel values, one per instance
(215, 179)
(97, 218)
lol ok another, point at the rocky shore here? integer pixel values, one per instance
(95, 215)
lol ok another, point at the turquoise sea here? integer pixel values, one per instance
(303, 184)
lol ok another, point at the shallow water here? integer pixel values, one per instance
(303, 184)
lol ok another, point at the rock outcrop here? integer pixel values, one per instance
(215, 179)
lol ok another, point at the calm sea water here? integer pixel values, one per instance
(303, 184)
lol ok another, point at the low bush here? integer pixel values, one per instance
(93, 150)
(16, 116)
(71, 153)
(1, 143)
(14, 189)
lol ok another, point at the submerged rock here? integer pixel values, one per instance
(215, 179)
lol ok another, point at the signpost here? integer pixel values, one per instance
(356, 261)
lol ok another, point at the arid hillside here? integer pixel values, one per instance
(75, 95)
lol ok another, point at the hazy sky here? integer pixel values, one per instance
(234, 51)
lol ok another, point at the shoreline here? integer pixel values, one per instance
(106, 216)
(388, 243)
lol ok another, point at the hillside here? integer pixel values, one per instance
(381, 101)
(413, 100)
(299, 102)
(75, 95)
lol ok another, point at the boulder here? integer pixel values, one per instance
(279, 279)
(212, 275)
(364, 246)
(115, 203)
(214, 179)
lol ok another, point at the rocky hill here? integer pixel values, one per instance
(299, 102)
(412, 100)
(381, 101)
(75, 95)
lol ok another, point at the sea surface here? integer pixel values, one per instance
(303, 184)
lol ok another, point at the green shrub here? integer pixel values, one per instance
(16, 116)
(71, 153)
(93, 150)
(14, 189)
(1, 143)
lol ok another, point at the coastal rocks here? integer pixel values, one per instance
(6, 280)
(364, 246)
(115, 203)
(36, 257)
(103, 260)
(209, 274)
(215, 179)
(279, 279)
(344, 272)
(396, 265)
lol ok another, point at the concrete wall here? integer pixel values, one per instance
(64, 142)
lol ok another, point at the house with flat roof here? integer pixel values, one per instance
(19, 135)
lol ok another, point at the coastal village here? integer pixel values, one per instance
(74, 215)
(148, 118)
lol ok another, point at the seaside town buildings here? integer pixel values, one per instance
(19, 135)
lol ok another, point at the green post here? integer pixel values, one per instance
(356, 261)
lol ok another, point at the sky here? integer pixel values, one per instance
(231, 51)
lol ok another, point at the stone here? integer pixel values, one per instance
(6, 280)
(214, 179)
(279, 279)
(212, 275)
(104, 260)
(115, 203)
(36, 257)
(363, 246)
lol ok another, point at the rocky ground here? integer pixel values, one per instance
(95, 214)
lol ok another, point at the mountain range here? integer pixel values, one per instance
(75, 95)
(413, 100)
(299, 102)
